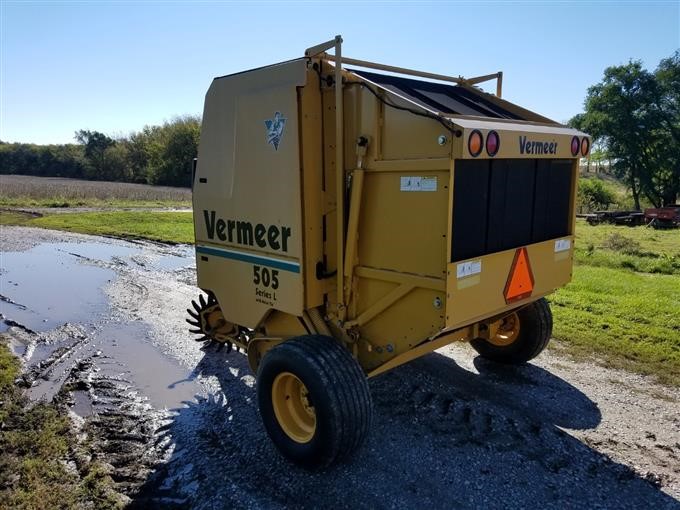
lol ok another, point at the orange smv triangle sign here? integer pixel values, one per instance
(520, 282)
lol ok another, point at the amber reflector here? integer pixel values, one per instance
(475, 143)
(493, 143)
(575, 145)
(520, 282)
(585, 147)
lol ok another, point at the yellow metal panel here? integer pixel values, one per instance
(247, 201)
(283, 325)
(415, 317)
(479, 294)
(312, 179)
(242, 301)
(403, 229)
(408, 136)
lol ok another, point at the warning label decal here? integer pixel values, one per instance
(414, 183)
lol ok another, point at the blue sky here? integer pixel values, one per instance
(117, 66)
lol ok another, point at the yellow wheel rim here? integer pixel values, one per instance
(507, 331)
(292, 407)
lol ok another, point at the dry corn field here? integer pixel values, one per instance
(24, 190)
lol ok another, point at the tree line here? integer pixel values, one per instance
(633, 116)
(160, 155)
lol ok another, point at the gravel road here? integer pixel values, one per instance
(99, 324)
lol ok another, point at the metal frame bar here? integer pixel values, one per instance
(340, 178)
(352, 229)
(381, 305)
(425, 282)
(422, 349)
(460, 80)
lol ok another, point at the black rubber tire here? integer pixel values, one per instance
(535, 330)
(338, 390)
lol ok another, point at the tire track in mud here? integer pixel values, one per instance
(119, 428)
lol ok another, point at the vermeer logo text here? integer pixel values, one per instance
(532, 147)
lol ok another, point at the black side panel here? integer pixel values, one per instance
(541, 227)
(560, 199)
(470, 186)
(511, 204)
(503, 204)
(497, 206)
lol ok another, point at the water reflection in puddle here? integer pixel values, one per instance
(55, 283)
(52, 284)
(46, 287)
(161, 379)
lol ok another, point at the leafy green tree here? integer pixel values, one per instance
(594, 195)
(141, 146)
(95, 144)
(115, 165)
(635, 116)
(154, 155)
(172, 149)
(42, 160)
(668, 147)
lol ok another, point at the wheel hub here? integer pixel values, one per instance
(293, 408)
(507, 331)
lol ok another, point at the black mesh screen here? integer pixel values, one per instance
(499, 204)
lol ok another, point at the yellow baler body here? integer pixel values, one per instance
(266, 206)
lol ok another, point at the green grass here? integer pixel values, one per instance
(35, 442)
(629, 320)
(68, 202)
(15, 218)
(640, 249)
(623, 305)
(173, 227)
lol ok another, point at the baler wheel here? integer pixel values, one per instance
(314, 400)
(208, 323)
(521, 336)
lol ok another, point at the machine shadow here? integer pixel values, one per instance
(443, 437)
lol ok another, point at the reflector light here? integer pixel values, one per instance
(493, 143)
(475, 143)
(520, 282)
(585, 147)
(575, 145)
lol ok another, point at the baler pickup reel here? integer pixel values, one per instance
(210, 325)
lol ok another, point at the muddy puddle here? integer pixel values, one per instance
(58, 310)
(129, 354)
(49, 285)
(54, 295)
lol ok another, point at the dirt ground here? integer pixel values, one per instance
(99, 325)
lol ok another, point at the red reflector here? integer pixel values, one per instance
(520, 282)
(575, 146)
(493, 143)
(585, 147)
